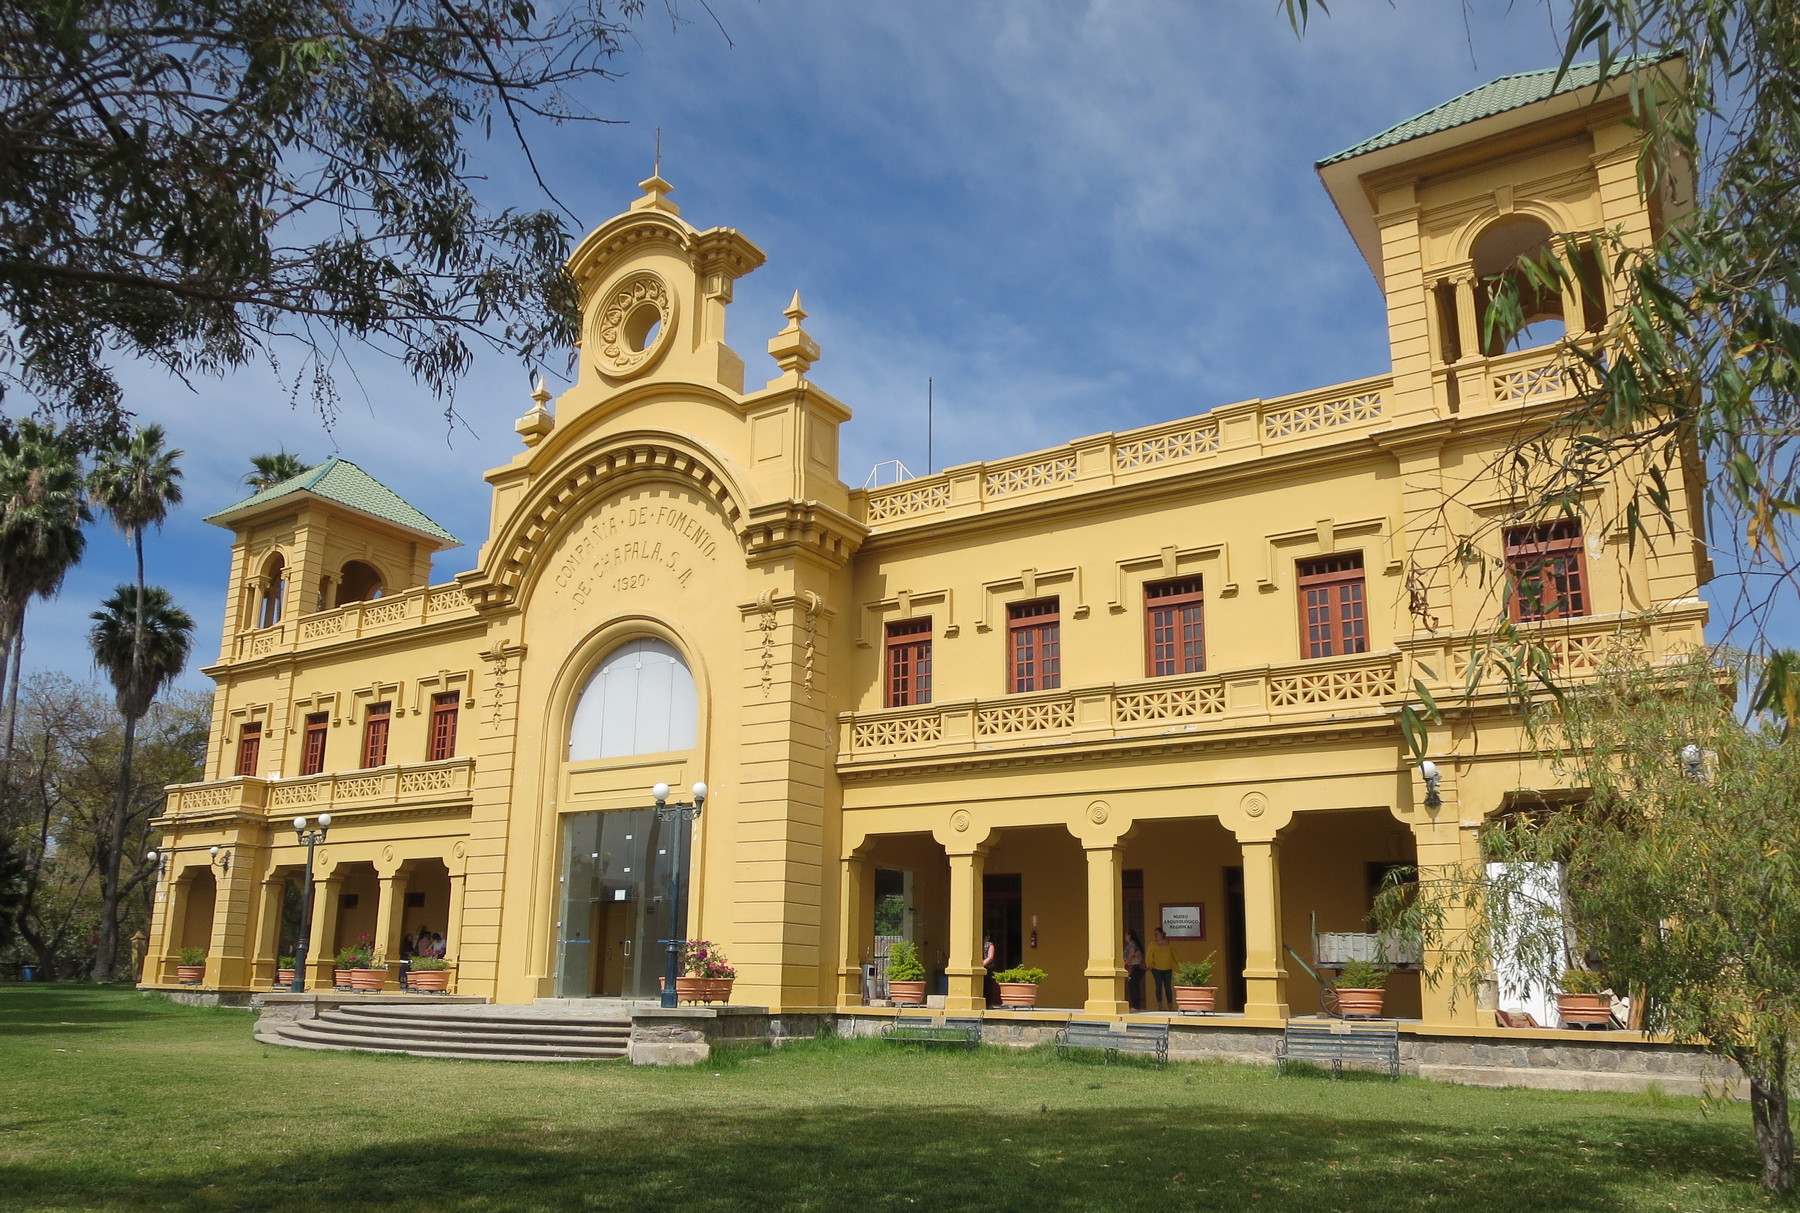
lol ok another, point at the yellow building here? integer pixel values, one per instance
(1143, 677)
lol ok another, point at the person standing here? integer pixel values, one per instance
(1161, 960)
(990, 989)
(1134, 971)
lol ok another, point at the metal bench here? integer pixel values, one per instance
(928, 1030)
(1374, 1042)
(1149, 1039)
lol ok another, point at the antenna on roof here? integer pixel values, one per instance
(928, 402)
(656, 170)
(888, 471)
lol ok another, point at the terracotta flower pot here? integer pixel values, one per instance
(691, 989)
(367, 981)
(1360, 1002)
(1584, 1008)
(284, 978)
(1195, 998)
(431, 981)
(190, 975)
(1018, 993)
(908, 993)
(718, 989)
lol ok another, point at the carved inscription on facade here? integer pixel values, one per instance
(626, 545)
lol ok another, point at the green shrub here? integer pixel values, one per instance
(284, 962)
(429, 964)
(1021, 975)
(903, 962)
(193, 956)
(1362, 975)
(1195, 972)
(1582, 981)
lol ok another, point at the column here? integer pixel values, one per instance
(1446, 850)
(389, 910)
(1105, 920)
(856, 912)
(964, 970)
(1265, 977)
(268, 930)
(320, 948)
(156, 951)
(1468, 323)
(230, 952)
(453, 928)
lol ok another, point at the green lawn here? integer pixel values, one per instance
(112, 1100)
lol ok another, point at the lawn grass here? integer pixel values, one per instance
(112, 1100)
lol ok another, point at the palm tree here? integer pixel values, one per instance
(268, 471)
(136, 481)
(41, 513)
(141, 640)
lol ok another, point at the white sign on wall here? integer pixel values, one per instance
(1185, 920)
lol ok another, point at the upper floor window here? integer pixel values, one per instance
(641, 700)
(1544, 571)
(1545, 315)
(1173, 632)
(375, 734)
(312, 744)
(908, 662)
(249, 748)
(442, 738)
(1334, 618)
(274, 580)
(360, 581)
(1033, 646)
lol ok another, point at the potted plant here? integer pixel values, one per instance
(1361, 987)
(1018, 985)
(365, 973)
(284, 971)
(905, 974)
(1194, 990)
(1583, 998)
(192, 969)
(708, 976)
(429, 974)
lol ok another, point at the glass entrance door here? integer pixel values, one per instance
(614, 911)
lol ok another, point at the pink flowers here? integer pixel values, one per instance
(699, 958)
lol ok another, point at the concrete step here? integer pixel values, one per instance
(287, 1042)
(326, 1033)
(557, 1025)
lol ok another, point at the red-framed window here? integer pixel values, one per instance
(1033, 646)
(1544, 570)
(908, 662)
(1174, 630)
(312, 746)
(375, 734)
(443, 726)
(1333, 611)
(249, 748)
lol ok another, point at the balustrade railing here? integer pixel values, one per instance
(393, 612)
(329, 792)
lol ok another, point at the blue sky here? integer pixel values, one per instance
(1073, 217)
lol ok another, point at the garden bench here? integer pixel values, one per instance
(927, 1030)
(1150, 1039)
(1376, 1043)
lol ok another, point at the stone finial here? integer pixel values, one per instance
(534, 425)
(656, 196)
(793, 348)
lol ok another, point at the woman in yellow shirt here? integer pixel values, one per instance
(1161, 959)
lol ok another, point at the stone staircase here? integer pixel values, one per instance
(470, 1033)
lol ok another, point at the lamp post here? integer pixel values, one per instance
(312, 838)
(680, 814)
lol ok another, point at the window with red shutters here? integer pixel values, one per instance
(1033, 646)
(908, 662)
(1544, 569)
(375, 734)
(312, 746)
(1333, 613)
(443, 726)
(1174, 635)
(249, 748)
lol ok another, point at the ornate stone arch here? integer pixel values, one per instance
(583, 475)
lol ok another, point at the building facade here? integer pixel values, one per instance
(1144, 677)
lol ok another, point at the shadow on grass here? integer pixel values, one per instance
(830, 1158)
(70, 1006)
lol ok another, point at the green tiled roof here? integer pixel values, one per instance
(1494, 97)
(339, 480)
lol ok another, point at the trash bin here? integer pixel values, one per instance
(27, 972)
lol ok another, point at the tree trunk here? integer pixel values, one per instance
(106, 950)
(12, 706)
(1774, 1131)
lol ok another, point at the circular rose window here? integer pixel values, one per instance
(632, 323)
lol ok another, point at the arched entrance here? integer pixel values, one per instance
(640, 700)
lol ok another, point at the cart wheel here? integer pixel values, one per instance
(1328, 1001)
